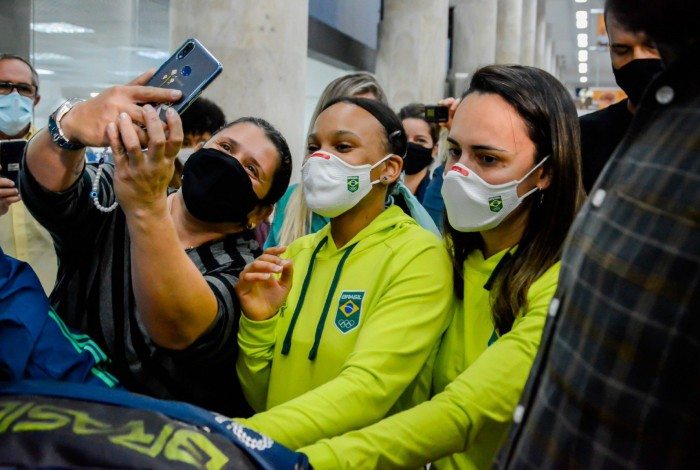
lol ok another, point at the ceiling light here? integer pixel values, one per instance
(583, 55)
(156, 55)
(581, 1)
(94, 93)
(49, 56)
(582, 39)
(583, 67)
(45, 72)
(60, 28)
(582, 24)
(596, 11)
(583, 79)
(581, 15)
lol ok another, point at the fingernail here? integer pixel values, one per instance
(277, 268)
(111, 128)
(170, 112)
(175, 93)
(123, 116)
(147, 107)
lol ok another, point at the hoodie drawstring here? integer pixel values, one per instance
(287, 344)
(322, 321)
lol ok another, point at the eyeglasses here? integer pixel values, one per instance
(24, 89)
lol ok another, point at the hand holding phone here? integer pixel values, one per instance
(11, 152)
(437, 113)
(190, 69)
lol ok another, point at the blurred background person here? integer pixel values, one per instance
(635, 62)
(422, 148)
(21, 236)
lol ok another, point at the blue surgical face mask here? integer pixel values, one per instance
(15, 113)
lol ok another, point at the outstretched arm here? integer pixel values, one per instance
(175, 302)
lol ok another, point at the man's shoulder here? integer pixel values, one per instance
(606, 116)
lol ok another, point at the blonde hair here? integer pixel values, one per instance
(297, 215)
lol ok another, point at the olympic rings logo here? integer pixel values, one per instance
(346, 324)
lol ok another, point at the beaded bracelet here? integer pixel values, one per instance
(95, 190)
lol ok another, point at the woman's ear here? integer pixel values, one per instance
(545, 177)
(391, 170)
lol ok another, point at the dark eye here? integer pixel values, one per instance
(454, 152)
(226, 147)
(343, 147)
(252, 169)
(312, 148)
(488, 159)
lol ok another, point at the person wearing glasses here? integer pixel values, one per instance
(21, 236)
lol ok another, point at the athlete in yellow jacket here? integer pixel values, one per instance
(371, 295)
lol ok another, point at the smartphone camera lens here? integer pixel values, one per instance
(186, 71)
(186, 50)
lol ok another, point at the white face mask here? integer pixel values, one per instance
(473, 205)
(332, 186)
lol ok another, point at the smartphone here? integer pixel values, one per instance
(190, 69)
(11, 152)
(437, 113)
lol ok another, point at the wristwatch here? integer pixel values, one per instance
(55, 126)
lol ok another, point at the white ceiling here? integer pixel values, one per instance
(132, 35)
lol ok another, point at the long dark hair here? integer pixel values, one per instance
(550, 116)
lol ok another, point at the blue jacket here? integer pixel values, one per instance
(34, 342)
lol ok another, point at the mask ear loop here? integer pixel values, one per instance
(536, 188)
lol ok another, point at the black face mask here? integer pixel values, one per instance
(417, 157)
(634, 77)
(216, 187)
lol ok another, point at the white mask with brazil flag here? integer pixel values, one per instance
(332, 186)
(473, 205)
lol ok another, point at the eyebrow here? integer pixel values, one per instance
(339, 133)
(342, 133)
(479, 147)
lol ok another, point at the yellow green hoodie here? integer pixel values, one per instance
(361, 343)
(478, 379)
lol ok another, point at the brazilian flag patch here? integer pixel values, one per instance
(495, 204)
(347, 316)
(353, 183)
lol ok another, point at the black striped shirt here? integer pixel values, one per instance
(94, 293)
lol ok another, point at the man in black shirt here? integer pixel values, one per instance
(152, 281)
(635, 63)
